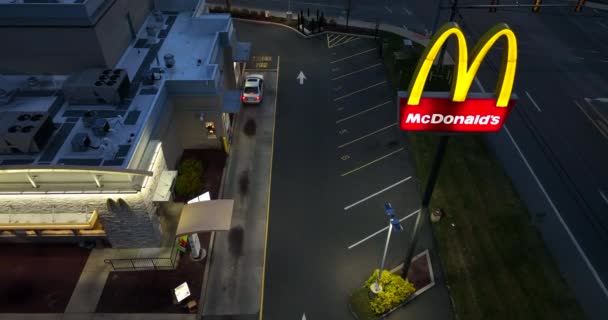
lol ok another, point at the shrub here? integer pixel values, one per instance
(189, 183)
(332, 22)
(394, 291)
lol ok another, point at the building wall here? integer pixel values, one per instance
(191, 131)
(113, 32)
(133, 230)
(67, 49)
(49, 50)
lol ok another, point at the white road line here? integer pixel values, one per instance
(591, 120)
(409, 13)
(380, 231)
(367, 135)
(360, 90)
(557, 213)
(371, 162)
(347, 41)
(377, 193)
(595, 110)
(603, 60)
(405, 27)
(603, 25)
(362, 112)
(351, 73)
(337, 39)
(354, 55)
(603, 196)
(533, 102)
(388, 9)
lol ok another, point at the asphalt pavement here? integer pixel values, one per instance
(554, 143)
(338, 157)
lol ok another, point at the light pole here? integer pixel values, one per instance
(394, 223)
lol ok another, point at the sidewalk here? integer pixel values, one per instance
(236, 269)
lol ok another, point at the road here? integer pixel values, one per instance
(555, 143)
(338, 157)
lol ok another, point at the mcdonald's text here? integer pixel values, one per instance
(443, 114)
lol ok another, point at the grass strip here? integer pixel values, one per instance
(496, 264)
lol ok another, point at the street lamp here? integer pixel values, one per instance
(394, 223)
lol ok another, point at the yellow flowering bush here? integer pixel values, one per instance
(394, 291)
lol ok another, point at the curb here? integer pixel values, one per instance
(300, 33)
(201, 302)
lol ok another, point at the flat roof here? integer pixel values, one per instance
(191, 40)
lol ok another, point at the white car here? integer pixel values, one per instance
(253, 90)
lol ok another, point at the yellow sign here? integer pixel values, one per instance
(465, 73)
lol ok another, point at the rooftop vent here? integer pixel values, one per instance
(169, 60)
(24, 117)
(27, 129)
(14, 129)
(6, 97)
(101, 127)
(81, 142)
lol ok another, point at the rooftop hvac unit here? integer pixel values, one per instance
(97, 86)
(26, 132)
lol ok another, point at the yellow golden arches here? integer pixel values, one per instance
(463, 72)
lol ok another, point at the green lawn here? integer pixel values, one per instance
(495, 262)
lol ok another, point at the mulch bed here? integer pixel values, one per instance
(419, 273)
(39, 278)
(151, 291)
(213, 167)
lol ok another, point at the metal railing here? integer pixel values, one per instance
(155, 263)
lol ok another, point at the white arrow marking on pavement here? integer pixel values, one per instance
(303, 316)
(301, 77)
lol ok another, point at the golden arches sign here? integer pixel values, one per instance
(463, 72)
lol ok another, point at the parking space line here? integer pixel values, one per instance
(533, 102)
(371, 162)
(388, 9)
(362, 112)
(360, 70)
(360, 90)
(354, 55)
(377, 193)
(380, 231)
(367, 135)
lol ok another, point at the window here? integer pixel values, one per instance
(251, 90)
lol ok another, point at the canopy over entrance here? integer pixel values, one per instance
(212, 215)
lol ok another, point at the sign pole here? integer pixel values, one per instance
(426, 199)
(452, 15)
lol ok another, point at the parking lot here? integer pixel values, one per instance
(372, 167)
(338, 158)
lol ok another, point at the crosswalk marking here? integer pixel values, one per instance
(337, 39)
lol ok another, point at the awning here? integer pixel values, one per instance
(231, 101)
(241, 52)
(212, 215)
